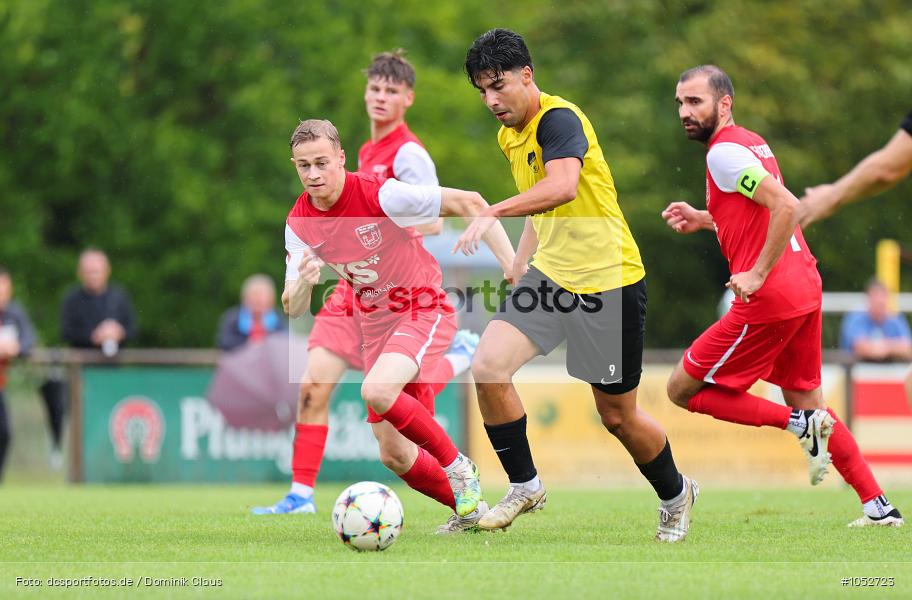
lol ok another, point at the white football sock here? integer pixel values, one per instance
(459, 362)
(798, 422)
(456, 462)
(533, 485)
(878, 507)
(305, 491)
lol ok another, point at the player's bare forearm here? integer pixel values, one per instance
(461, 203)
(878, 172)
(497, 240)
(528, 242)
(684, 218)
(296, 297)
(706, 221)
(556, 188)
(473, 208)
(430, 228)
(783, 207)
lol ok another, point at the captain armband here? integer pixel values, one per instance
(749, 180)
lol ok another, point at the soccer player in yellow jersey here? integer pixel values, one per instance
(585, 285)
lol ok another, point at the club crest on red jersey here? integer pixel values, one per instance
(369, 235)
(136, 423)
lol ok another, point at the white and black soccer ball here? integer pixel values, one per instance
(367, 516)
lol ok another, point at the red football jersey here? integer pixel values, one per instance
(365, 240)
(793, 286)
(398, 155)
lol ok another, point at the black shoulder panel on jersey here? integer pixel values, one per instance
(560, 135)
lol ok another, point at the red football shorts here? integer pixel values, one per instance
(735, 355)
(422, 335)
(337, 327)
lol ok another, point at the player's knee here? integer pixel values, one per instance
(313, 400)
(614, 420)
(488, 369)
(379, 396)
(677, 394)
(394, 458)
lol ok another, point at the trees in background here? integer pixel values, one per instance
(158, 130)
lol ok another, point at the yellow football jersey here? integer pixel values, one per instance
(585, 245)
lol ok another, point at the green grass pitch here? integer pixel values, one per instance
(762, 543)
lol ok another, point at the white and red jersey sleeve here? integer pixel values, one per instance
(413, 164)
(726, 162)
(409, 205)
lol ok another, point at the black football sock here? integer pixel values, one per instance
(663, 475)
(512, 447)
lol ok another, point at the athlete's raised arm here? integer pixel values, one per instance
(556, 188)
(413, 205)
(877, 173)
(470, 206)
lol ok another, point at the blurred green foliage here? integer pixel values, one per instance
(157, 129)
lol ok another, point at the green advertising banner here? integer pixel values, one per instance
(154, 424)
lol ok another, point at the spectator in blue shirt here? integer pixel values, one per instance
(255, 318)
(876, 334)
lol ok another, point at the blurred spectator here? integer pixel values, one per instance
(16, 339)
(96, 314)
(875, 334)
(255, 318)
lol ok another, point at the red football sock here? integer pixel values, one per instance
(427, 477)
(438, 375)
(309, 442)
(850, 463)
(739, 407)
(413, 421)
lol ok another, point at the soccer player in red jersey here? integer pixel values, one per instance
(334, 343)
(361, 228)
(772, 331)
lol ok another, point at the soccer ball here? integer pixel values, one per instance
(367, 516)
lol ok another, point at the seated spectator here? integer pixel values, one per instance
(16, 339)
(96, 314)
(875, 334)
(255, 318)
